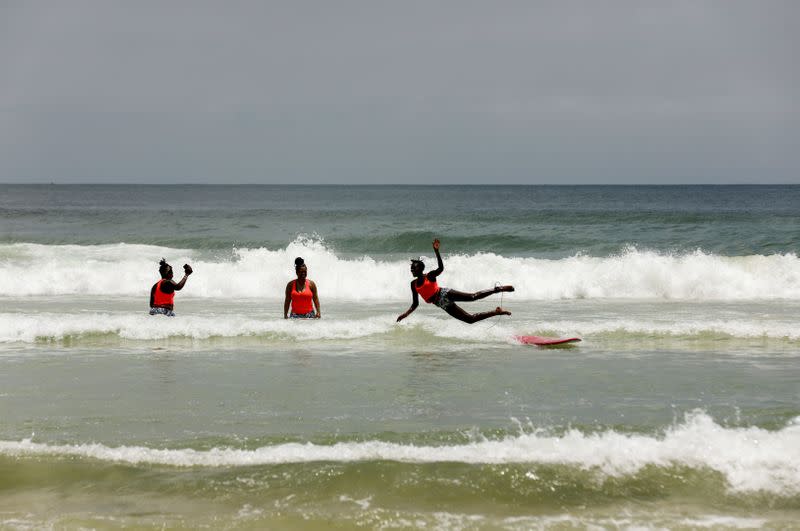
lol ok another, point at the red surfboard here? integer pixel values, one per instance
(545, 341)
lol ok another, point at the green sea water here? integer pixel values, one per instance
(679, 409)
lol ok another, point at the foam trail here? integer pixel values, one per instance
(751, 459)
(130, 270)
(736, 328)
(29, 328)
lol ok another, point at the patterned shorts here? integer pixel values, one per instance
(442, 299)
(309, 315)
(162, 311)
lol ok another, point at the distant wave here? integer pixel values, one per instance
(130, 270)
(750, 458)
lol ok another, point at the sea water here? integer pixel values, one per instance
(679, 409)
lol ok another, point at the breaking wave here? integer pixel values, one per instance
(750, 458)
(130, 270)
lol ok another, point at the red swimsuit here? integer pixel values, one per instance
(428, 290)
(301, 300)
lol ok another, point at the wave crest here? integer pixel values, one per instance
(750, 458)
(130, 270)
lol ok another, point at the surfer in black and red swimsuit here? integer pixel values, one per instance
(445, 298)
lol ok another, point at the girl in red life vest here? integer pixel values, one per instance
(162, 294)
(444, 298)
(300, 293)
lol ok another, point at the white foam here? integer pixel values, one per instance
(745, 327)
(130, 270)
(724, 522)
(32, 327)
(751, 459)
(634, 520)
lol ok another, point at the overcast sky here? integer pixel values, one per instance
(434, 91)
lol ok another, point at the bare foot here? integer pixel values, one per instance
(498, 289)
(500, 311)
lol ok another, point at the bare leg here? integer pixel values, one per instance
(461, 296)
(457, 312)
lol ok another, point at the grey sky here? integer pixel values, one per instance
(400, 92)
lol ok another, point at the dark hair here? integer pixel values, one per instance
(299, 262)
(162, 266)
(420, 262)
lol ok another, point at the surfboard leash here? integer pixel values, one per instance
(496, 285)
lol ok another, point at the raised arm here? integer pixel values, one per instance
(438, 271)
(414, 303)
(170, 286)
(187, 270)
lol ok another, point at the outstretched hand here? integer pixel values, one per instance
(436, 244)
(187, 269)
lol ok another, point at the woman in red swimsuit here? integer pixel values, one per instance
(444, 298)
(162, 294)
(301, 293)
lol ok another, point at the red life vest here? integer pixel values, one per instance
(301, 300)
(161, 299)
(427, 290)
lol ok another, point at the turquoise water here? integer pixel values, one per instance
(679, 409)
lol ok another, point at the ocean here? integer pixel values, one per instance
(679, 409)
